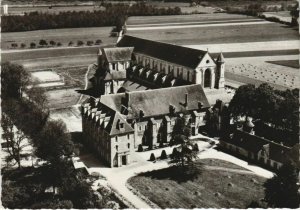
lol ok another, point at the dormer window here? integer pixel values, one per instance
(121, 125)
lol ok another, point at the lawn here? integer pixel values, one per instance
(64, 36)
(211, 189)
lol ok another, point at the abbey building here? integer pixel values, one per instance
(141, 88)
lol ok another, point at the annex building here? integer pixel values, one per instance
(141, 88)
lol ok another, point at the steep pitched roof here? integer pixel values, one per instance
(113, 126)
(118, 53)
(157, 102)
(172, 53)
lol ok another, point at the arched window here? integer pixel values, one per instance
(207, 76)
(128, 145)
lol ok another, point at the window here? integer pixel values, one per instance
(128, 136)
(117, 147)
(116, 138)
(207, 61)
(128, 146)
(140, 128)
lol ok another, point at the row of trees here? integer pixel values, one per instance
(113, 15)
(25, 120)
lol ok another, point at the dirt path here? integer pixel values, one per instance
(86, 79)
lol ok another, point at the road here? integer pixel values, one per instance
(86, 79)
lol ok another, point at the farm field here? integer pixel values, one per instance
(64, 36)
(62, 98)
(215, 187)
(17, 10)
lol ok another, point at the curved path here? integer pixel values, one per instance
(86, 79)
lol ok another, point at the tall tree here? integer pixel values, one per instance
(15, 140)
(180, 135)
(281, 191)
(14, 80)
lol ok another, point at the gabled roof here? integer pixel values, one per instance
(157, 102)
(118, 54)
(113, 126)
(168, 52)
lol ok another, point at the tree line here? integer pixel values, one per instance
(279, 109)
(25, 120)
(113, 15)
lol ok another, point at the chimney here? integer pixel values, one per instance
(186, 99)
(141, 114)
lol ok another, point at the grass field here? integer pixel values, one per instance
(215, 187)
(63, 36)
(288, 63)
(220, 34)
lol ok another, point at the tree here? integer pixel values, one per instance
(43, 42)
(98, 42)
(38, 96)
(54, 143)
(14, 80)
(71, 43)
(79, 43)
(14, 45)
(32, 45)
(15, 140)
(59, 44)
(281, 191)
(185, 154)
(152, 157)
(23, 45)
(243, 102)
(163, 155)
(53, 43)
(89, 43)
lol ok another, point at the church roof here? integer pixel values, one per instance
(168, 52)
(118, 53)
(158, 101)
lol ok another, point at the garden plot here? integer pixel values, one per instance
(48, 78)
(62, 98)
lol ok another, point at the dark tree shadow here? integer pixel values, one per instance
(177, 173)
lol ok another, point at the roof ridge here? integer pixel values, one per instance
(166, 43)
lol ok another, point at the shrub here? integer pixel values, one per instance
(59, 44)
(32, 45)
(79, 43)
(52, 42)
(23, 45)
(43, 42)
(140, 148)
(195, 147)
(89, 43)
(152, 157)
(163, 155)
(71, 43)
(14, 45)
(98, 42)
(174, 153)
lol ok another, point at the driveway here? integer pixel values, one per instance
(117, 177)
